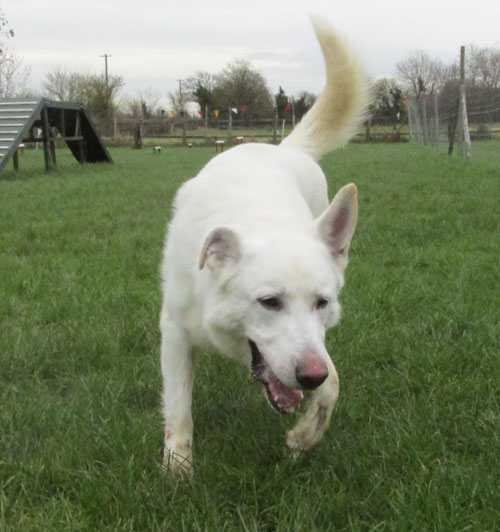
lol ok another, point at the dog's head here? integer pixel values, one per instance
(277, 293)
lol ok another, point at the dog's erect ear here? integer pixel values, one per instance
(222, 247)
(336, 225)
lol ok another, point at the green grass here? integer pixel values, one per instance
(414, 441)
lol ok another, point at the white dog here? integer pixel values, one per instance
(254, 262)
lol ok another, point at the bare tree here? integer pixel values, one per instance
(96, 92)
(132, 106)
(148, 100)
(63, 85)
(483, 66)
(143, 104)
(177, 100)
(419, 73)
(5, 30)
(14, 76)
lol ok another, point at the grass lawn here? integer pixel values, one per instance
(414, 440)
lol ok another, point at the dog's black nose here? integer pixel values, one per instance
(311, 372)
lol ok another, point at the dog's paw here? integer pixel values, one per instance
(293, 444)
(177, 465)
(309, 429)
(178, 461)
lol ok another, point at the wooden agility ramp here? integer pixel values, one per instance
(21, 119)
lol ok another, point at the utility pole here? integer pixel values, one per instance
(183, 114)
(106, 68)
(181, 103)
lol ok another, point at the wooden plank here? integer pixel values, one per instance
(81, 152)
(23, 110)
(34, 139)
(74, 106)
(16, 122)
(78, 130)
(95, 149)
(45, 138)
(18, 103)
(63, 123)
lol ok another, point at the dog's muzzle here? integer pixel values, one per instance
(281, 397)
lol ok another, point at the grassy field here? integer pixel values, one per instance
(414, 441)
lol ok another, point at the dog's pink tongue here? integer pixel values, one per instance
(286, 398)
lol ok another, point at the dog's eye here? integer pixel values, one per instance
(322, 302)
(271, 303)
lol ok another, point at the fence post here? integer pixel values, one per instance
(436, 120)
(184, 128)
(206, 124)
(416, 122)
(425, 132)
(411, 126)
(138, 135)
(463, 126)
(45, 136)
(368, 126)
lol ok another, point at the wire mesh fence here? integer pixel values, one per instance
(434, 119)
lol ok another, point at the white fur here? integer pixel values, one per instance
(256, 223)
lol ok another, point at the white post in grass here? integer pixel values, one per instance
(436, 120)
(425, 129)
(463, 125)
(411, 125)
(206, 124)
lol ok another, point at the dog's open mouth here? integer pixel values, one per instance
(284, 399)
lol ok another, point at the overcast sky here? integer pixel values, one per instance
(153, 43)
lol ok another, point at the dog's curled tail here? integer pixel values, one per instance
(341, 107)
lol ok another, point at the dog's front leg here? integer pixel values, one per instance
(177, 366)
(315, 420)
